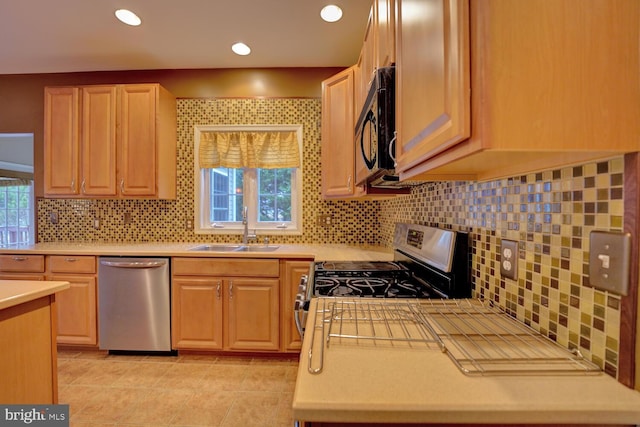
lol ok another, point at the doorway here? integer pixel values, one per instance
(17, 208)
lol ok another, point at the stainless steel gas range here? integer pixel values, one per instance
(428, 262)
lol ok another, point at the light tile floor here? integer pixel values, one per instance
(185, 390)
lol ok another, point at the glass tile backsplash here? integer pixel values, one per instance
(550, 214)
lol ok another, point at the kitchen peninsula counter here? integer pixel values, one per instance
(28, 362)
(319, 252)
(365, 383)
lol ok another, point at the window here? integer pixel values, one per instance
(16, 212)
(272, 196)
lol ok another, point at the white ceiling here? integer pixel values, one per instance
(49, 36)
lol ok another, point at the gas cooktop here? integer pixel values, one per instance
(367, 279)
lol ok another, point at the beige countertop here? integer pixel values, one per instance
(319, 252)
(15, 292)
(366, 383)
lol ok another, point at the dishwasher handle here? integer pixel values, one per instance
(134, 264)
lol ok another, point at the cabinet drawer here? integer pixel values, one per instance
(226, 267)
(22, 263)
(72, 264)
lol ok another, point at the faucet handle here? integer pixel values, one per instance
(245, 212)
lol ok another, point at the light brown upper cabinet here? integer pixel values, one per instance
(337, 152)
(550, 83)
(432, 72)
(110, 141)
(385, 32)
(378, 48)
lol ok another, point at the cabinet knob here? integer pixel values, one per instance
(231, 290)
(218, 287)
(82, 186)
(122, 185)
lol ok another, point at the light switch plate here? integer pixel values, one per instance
(509, 259)
(609, 261)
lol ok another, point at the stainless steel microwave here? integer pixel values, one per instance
(375, 131)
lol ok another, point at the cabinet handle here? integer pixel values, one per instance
(82, 186)
(392, 151)
(19, 258)
(73, 184)
(122, 186)
(218, 290)
(70, 259)
(349, 181)
(231, 290)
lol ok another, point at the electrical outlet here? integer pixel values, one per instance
(96, 223)
(53, 217)
(188, 224)
(509, 259)
(127, 218)
(325, 220)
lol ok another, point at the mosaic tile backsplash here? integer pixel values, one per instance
(550, 214)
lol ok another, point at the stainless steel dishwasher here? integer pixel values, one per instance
(134, 304)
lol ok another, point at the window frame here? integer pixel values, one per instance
(250, 191)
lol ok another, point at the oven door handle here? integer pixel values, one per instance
(298, 311)
(298, 305)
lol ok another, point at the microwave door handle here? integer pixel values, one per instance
(370, 118)
(392, 150)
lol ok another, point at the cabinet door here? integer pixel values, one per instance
(196, 315)
(385, 33)
(137, 140)
(253, 314)
(61, 141)
(98, 141)
(77, 310)
(338, 135)
(293, 271)
(433, 82)
(368, 61)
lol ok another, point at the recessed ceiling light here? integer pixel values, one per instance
(241, 49)
(331, 13)
(128, 17)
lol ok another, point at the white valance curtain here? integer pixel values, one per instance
(249, 149)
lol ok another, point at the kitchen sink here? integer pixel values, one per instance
(235, 248)
(260, 248)
(218, 248)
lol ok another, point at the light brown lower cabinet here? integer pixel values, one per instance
(77, 306)
(21, 267)
(225, 304)
(292, 271)
(28, 361)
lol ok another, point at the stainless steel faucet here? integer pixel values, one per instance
(246, 236)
